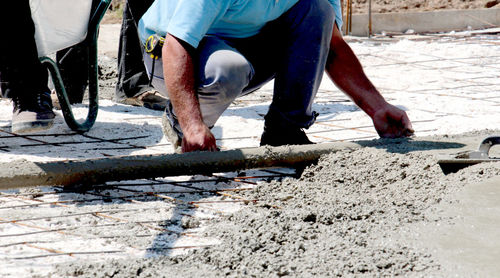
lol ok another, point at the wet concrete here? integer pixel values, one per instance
(372, 211)
(469, 241)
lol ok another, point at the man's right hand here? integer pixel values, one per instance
(198, 138)
(392, 122)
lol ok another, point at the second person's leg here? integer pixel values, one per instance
(22, 75)
(133, 80)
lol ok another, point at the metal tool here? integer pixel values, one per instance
(464, 159)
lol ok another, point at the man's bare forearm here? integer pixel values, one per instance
(178, 71)
(345, 70)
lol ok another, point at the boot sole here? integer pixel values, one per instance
(35, 126)
(170, 133)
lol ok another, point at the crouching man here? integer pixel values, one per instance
(216, 51)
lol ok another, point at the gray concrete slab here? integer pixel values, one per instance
(437, 21)
(469, 242)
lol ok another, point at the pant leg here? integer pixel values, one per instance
(292, 49)
(304, 34)
(21, 73)
(132, 76)
(222, 75)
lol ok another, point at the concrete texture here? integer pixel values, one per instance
(425, 22)
(468, 242)
(353, 214)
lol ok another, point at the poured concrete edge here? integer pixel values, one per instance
(24, 173)
(423, 22)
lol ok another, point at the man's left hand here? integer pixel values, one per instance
(392, 122)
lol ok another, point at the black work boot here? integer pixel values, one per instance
(34, 114)
(275, 135)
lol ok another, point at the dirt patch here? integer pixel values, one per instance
(343, 216)
(114, 13)
(108, 76)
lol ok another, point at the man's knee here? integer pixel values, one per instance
(226, 77)
(316, 14)
(323, 11)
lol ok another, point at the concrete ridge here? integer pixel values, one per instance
(23, 173)
(422, 22)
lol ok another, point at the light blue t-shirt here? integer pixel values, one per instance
(191, 20)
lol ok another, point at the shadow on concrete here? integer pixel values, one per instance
(157, 230)
(407, 145)
(130, 110)
(105, 138)
(326, 110)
